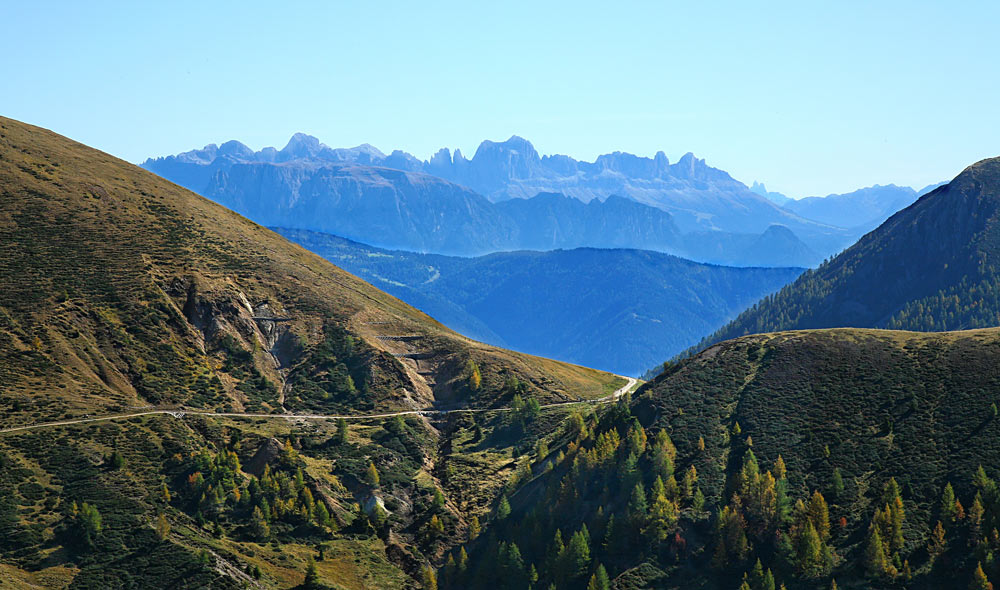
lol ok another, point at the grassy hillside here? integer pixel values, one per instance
(620, 310)
(932, 266)
(121, 290)
(684, 488)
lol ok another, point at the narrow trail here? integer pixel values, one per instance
(181, 413)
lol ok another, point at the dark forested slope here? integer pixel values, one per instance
(795, 458)
(932, 266)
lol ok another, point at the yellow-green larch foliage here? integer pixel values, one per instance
(779, 468)
(371, 475)
(429, 578)
(936, 543)
(162, 526)
(948, 510)
(472, 375)
(819, 515)
(979, 580)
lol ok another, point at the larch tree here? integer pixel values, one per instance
(979, 579)
(371, 475)
(947, 509)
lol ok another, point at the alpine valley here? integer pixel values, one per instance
(191, 400)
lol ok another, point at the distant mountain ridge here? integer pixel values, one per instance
(311, 186)
(863, 209)
(617, 309)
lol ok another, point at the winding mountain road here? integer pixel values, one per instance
(631, 383)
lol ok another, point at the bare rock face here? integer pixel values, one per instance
(444, 205)
(268, 451)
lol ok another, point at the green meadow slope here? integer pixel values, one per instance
(121, 291)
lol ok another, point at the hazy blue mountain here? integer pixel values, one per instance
(777, 246)
(760, 189)
(308, 186)
(698, 197)
(862, 210)
(617, 309)
(549, 220)
(386, 207)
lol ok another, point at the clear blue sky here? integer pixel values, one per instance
(809, 97)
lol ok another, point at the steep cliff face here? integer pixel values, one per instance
(391, 208)
(698, 197)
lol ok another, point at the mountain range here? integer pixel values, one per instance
(364, 195)
(613, 309)
(809, 458)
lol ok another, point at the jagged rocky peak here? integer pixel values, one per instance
(301, 145)
(631, 165)
(515, 145)
(236, 149)
(441, 158)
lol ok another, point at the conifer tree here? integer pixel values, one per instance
(698, 501)
(312, 576)
(876, 561)
(662, 518)
(757, 575)
(979, 580)
(688, 481)
(503, 509)
(341, 431)
(429, 578)
(896, 514)
(473, 376)
(435, 528)
(936, 543)
(947, 509)
(474, 528)
(321, 514)
(779, 468)
(637, 504)
(819, 515)
(768, 583)
(809, 558)
(837, 484)
(162, 526)
(371, 475)
(90, 523)
(664, 453)
(258, 524)
(555, 552)
(599, 580)
(976, 512)
(577, 556)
